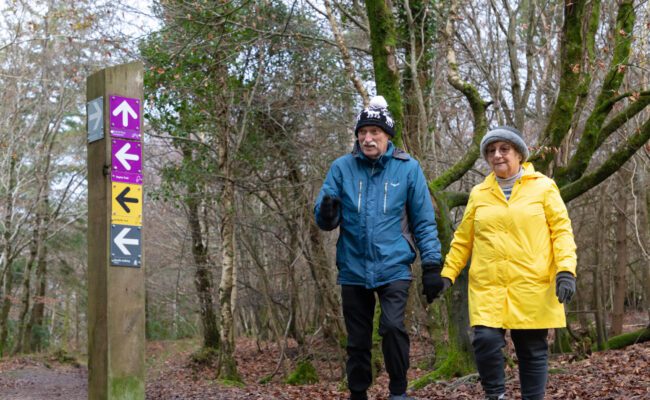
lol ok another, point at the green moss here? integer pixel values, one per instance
(627, 339)
(231, 383)
(205, 356)
(304, 374)
(228, 369)
(383, 39)
(453, 363)
(63, 357)
(562, 342)
(343, 341)
(126, 388)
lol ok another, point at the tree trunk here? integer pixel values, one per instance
(627, 339)
(294, 327)
(382, 45)
(620, 283)
(26, 299)
(203, 275)
(6, 307)
(598, 292)
(331, 315)
(227, 364)
(35, 335)
(644, 232)
(6, 257)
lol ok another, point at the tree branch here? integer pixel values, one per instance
(591, 140)
(477, 104)
(609, 167)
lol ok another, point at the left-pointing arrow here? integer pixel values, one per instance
(121, 241)
(122, 199)
(123, 156)
(95, 116)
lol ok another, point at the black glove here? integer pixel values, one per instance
(329, 210)
(565, 286)
(432, 283)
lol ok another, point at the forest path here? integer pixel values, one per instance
(28, 380)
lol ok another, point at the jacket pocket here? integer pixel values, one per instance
(393, 198)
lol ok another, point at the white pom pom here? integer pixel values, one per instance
(378, 103)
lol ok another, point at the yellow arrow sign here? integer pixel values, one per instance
(127, 204)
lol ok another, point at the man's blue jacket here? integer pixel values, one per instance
(385, 212)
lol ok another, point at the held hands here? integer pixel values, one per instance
(432, 283)
(565, 286)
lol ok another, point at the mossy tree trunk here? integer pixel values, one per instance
(202, 273)
(383, 41)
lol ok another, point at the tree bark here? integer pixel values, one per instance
(227, 363)
(203, 274)
(26, 295)
(620, 282)
(591, 138)
(598, 270)
(383, 39)
(319, 265)
(6, 258)
(36, 328)
(644, 230)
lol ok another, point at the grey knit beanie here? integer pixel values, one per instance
(376, 115)
(505, 134)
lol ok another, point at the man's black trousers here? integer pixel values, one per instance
(358, 311)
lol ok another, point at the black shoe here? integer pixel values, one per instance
(358, 396)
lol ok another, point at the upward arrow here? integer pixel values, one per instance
(95, 115)
(125, 109)
(122, 199)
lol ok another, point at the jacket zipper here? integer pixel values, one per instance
(385, 195)
(359, 201)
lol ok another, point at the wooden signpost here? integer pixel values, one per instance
(116, 311)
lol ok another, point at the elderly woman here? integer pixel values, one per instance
(523, 263)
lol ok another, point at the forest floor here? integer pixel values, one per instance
(614, 374)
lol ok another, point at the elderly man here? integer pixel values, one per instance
(378, 197)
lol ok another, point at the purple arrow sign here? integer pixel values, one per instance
(125, 117)
(126, 161)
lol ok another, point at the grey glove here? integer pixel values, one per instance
(565, 286)
(432, 283)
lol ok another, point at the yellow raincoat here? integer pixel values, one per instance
(517, 248)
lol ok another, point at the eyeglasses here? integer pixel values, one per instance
(503, 150)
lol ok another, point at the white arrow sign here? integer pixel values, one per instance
(95, 116)
(125, 109)
(123, 156)
(121, 240)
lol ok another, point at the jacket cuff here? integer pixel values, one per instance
(565, 275)
(429, 266)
